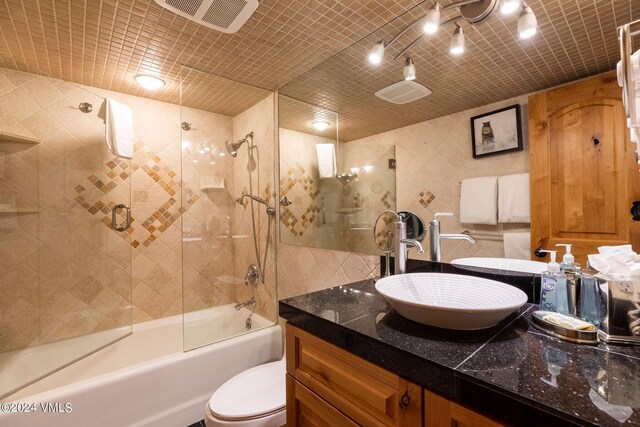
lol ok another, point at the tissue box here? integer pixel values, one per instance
(618, 298)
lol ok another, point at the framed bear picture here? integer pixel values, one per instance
(497, 132)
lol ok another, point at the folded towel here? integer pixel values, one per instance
(517, 245)
(513, 198)
(478, 200)
(326, 160)
(119, 129)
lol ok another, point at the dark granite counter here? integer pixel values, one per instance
(511, 371)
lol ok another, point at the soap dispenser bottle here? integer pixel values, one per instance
(572, 275)
(553, 287)
(567, 259)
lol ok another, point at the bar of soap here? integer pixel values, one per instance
(568, 322)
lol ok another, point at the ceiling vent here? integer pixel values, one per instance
(403, 92)
(221, 15)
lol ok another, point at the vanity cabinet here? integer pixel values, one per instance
(328, 386)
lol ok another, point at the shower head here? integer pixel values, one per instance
(232, 147)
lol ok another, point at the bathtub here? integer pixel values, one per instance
(146, 379)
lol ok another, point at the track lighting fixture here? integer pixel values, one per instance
(409, 69)
(527, 23)
(470, 11)
(507, 7)
(377, 52)
(432, 19)
(457, 41)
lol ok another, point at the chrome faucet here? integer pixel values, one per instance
(239, 305)
(435, 237)
(401, 246)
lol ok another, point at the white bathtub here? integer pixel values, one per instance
(146, 379)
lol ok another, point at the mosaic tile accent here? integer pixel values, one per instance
(386, 198)
(117, 170)
(298, 177)
(426, 198)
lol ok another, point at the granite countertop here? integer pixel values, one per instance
(511, 371)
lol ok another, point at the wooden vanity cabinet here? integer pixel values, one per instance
(441, 412)
(328, 386)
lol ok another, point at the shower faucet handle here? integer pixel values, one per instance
(253, 275)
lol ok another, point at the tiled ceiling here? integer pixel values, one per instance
(299, 116)
(106, 43)
(576, 39)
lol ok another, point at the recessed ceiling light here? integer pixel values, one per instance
(149, 82)
(320, 125)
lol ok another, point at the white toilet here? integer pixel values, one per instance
(253, 398)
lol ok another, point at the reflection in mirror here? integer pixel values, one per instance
(383, 234)
(416, 229)
(333, 191)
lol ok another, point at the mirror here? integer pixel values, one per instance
(430, 138)
(331, 191)
(383, 233)
(416, 229)
(383, 230)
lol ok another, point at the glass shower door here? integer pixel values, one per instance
(65, 268)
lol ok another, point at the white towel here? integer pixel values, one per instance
(119, 129)
(478, 200)
(513, 198)
(326, 160)
(517, 245)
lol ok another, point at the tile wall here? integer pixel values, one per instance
(260, 120)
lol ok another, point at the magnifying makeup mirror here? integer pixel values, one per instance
(383, 232)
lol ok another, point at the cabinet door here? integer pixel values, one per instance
(441, 412)
(583, 171)
(307, 409)
(366, 393)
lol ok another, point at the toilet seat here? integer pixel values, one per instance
(256, 393)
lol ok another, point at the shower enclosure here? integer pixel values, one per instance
(65, 271)
(228, 199)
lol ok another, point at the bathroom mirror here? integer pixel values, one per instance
(431, 139)
(331, 191)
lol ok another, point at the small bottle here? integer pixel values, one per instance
(572, 273)
(567, 259)
(553, 287)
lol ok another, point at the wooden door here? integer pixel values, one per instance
(584, 177)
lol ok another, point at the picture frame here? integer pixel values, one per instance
(496, 132)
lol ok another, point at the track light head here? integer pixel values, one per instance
(377, 52)
(509, 6)
(432, 20)
(457, 41)
(409, 69)
(527, 23)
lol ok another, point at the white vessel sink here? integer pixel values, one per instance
(451, 301)
(520, 265)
